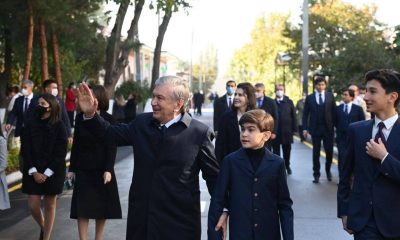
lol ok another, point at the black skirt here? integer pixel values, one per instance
(52, 186)
(92, 199)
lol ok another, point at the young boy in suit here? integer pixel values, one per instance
(369, 187)
(252, 184)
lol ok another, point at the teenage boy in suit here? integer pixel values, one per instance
(346, 113)
(318, 116)
(259, 201)
(369, 187)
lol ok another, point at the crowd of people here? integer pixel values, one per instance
(245, 173)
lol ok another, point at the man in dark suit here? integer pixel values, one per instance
(223, 103)
(22, 108)
(346, 113)
(318, 116)
(267, 104)
(50, 86)
(170, 149)
(287, 126)
(369, 187)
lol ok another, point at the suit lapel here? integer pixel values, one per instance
(391, 143)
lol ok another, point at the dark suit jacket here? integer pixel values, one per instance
(17, 117)
(270, 107)
(271, 210)
(376, 187)
(310, 113)
(220, 106)
(287, 124)
(164, 198)
(343, 120)
(228, 139)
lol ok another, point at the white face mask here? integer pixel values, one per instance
(258, 95)
(279, 93)
(25, 92)
(54, 92)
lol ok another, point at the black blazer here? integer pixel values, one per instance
(287, 124)
(220, 106)
(228, 139)
(273, 203)
(343, 120)
(367, 186)
(166, 174)
(17, 117)
(270, 107)
(310, 113)
(64, 116)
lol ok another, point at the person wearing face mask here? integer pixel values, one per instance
(287, 126)
(21, 111)
(50, 87)
(44, 152)
(268, 105)
(223, 103)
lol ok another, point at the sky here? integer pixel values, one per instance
(226, 24)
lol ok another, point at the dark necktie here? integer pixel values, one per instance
(346, 109)
(25, 104)
(163, 129)
(380, 134)
(229, 102)
(320, 99)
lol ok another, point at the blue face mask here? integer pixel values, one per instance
(230, 91)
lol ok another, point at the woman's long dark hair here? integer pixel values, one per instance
(55, 113)
(250, 92)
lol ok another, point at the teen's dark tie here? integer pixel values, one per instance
(379, 134)
(320, 99)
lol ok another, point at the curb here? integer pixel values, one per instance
(15, 178)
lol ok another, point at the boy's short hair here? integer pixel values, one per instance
(263, 120)
(319, 79)
(389, 79)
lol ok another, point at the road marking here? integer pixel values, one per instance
(334, 160)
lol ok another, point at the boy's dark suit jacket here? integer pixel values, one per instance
(310, 113)
(228, 139)
(220, 107)
(343, 119)
(255, 197)
(164, 197)
(376, 186)
(17, 117)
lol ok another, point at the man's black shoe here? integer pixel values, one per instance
(289, 171)
(329, 176)
(316, 180)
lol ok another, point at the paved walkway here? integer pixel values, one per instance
(314, 204)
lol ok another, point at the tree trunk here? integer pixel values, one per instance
(56, 59)
(120, 60)
(113, 47)
(43, 46)
(6, 74)
(29, 44)
(155, 73)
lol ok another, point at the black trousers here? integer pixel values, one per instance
(286, 149)
(327, 139)
(71, 116)
(341, 146)
(301, 135)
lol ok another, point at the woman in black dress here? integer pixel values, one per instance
(95, 193)
(43, 152)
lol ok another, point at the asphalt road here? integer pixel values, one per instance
(314, 204)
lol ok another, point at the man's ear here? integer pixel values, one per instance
(180, 103)
(393, 97)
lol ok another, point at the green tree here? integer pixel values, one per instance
(205, 70)
(345, 41)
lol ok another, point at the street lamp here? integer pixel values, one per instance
(283, 59)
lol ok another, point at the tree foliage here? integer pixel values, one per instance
(205, 70)
(345, 42)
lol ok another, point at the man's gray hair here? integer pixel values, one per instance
(180, 88)
(28, 82)
(259, 85)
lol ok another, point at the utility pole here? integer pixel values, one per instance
(304, 63)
